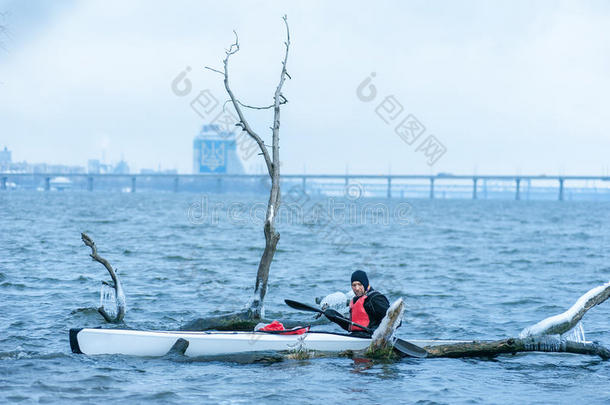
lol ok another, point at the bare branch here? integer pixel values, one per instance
(248, 106)
(214, 70)
(278, 101)
(284, 101)
(254, 107)
(242, 119)
(89, 242)
(235, 45)
(116, 283)
(563, 322)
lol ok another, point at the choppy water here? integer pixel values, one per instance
(467, 269)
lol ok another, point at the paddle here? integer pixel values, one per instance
(404, 347)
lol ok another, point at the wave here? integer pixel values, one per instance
(18, 286)
(178, 258)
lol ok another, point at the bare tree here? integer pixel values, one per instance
(272, 163)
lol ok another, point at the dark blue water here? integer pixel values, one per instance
(467, 269)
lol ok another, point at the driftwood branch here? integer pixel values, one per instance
(116, 282)
(383, 336)
(516, 345)
(560, 324)
(544, 336)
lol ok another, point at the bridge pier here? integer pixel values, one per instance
(90, 184)
(176, 184)
(389, 187)
(561, 189)
(432, 188)
(47, 184)
(133, 184)
(474, 188)
(518, 191)
(4, 183)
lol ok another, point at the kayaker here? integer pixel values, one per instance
(368, 307)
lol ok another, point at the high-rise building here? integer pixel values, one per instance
(5, 159)
(215, 151)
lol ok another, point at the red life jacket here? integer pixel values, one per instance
(358, 313)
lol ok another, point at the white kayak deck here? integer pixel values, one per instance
(211, 343)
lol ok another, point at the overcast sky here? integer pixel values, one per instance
(506, 87)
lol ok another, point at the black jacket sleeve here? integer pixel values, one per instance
(376, 307)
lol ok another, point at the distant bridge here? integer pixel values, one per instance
(303, 179)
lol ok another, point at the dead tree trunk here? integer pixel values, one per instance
(272, 162)
(383, 336)
(545, 336)
(515, 345)
(115, 284)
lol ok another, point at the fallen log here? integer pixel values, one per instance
(516, 345)
(549, 335)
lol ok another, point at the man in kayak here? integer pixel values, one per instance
(368, 307)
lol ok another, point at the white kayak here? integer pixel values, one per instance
(209, 343)
(213, 343)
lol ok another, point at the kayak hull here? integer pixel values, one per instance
(210, 343)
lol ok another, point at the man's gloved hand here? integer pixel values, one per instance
(323, 307)
(337, 318)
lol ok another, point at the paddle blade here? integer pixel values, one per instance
(301, 306)
(409, 349)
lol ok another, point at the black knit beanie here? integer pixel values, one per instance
(360, 275)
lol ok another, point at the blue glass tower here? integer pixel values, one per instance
(215, 151)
